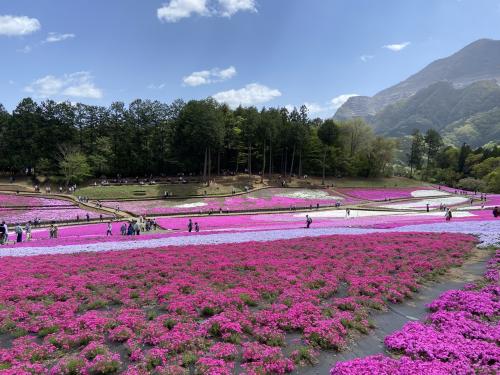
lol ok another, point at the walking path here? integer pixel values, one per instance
(487, 231)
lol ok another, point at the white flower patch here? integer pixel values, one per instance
(363, 213)
(191, 205)
(309, 194)
(421, 204)
(429, 193)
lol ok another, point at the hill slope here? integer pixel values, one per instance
(478, 61)
(470, 114)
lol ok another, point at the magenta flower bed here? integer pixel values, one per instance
(11, 200)
(266, 199)
(45, 214)
(206, 308)
(460, 336)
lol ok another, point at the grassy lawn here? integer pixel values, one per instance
(221, 187)
(376, 182)
(226, 186)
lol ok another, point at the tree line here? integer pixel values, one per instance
(463, 167)
(71, 142)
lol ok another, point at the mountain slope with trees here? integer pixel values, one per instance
(477, 61)
(470, 114)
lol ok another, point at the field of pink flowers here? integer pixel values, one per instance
(461, 336)
(11, 200)
(21, 209)
(209, 308)
(264, 199)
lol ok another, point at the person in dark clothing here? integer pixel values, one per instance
(190, 226)
(308, 221)
(196, 227)
(496, 212)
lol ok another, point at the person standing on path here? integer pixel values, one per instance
(27, 229)
(123, 229)
(190, 226)
(427, 207)
(2, 233)
(19, 233)
(6, 233)
(196, 227)
(448, 215)
(109, 230)
(308, 221)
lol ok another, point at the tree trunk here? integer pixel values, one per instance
(209, 165)
(286, 161)
(324, 166)
(263, 163)
(300, 163)
(205, 166)
(270, 159)
(250, 161)
(293, 159)
(218, 163)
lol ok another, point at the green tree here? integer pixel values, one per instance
(416, 151)
(433, 142)
(328, 134)
(74, 166)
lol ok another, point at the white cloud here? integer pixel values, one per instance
(15, 26)
(251, 94)
(366, 58)
(57, 37)
(205, 77)
(315, 108)
(175, 10)
(230, 7)
(324, 110)
(25, 49)
(396, 47)
(161, 86)
(78, 85)
(341, 99)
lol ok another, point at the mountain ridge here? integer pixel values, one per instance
(478, 61)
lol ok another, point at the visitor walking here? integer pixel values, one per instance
(427, 207)
(27, 229)
(130, 230)
(123, 229)
(19, 233)
(496, 211)
(196, 227)
(190, 226)
(308, 221)
(6, 232)
(2, 233)
(448, 215)
(88, 217)
(109, 230)
(347, 213)
(137, 228)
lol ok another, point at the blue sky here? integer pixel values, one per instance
(254, 52)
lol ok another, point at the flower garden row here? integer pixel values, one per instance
(260, 200)
(21, 209)
(209, 308)
(461, 336)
